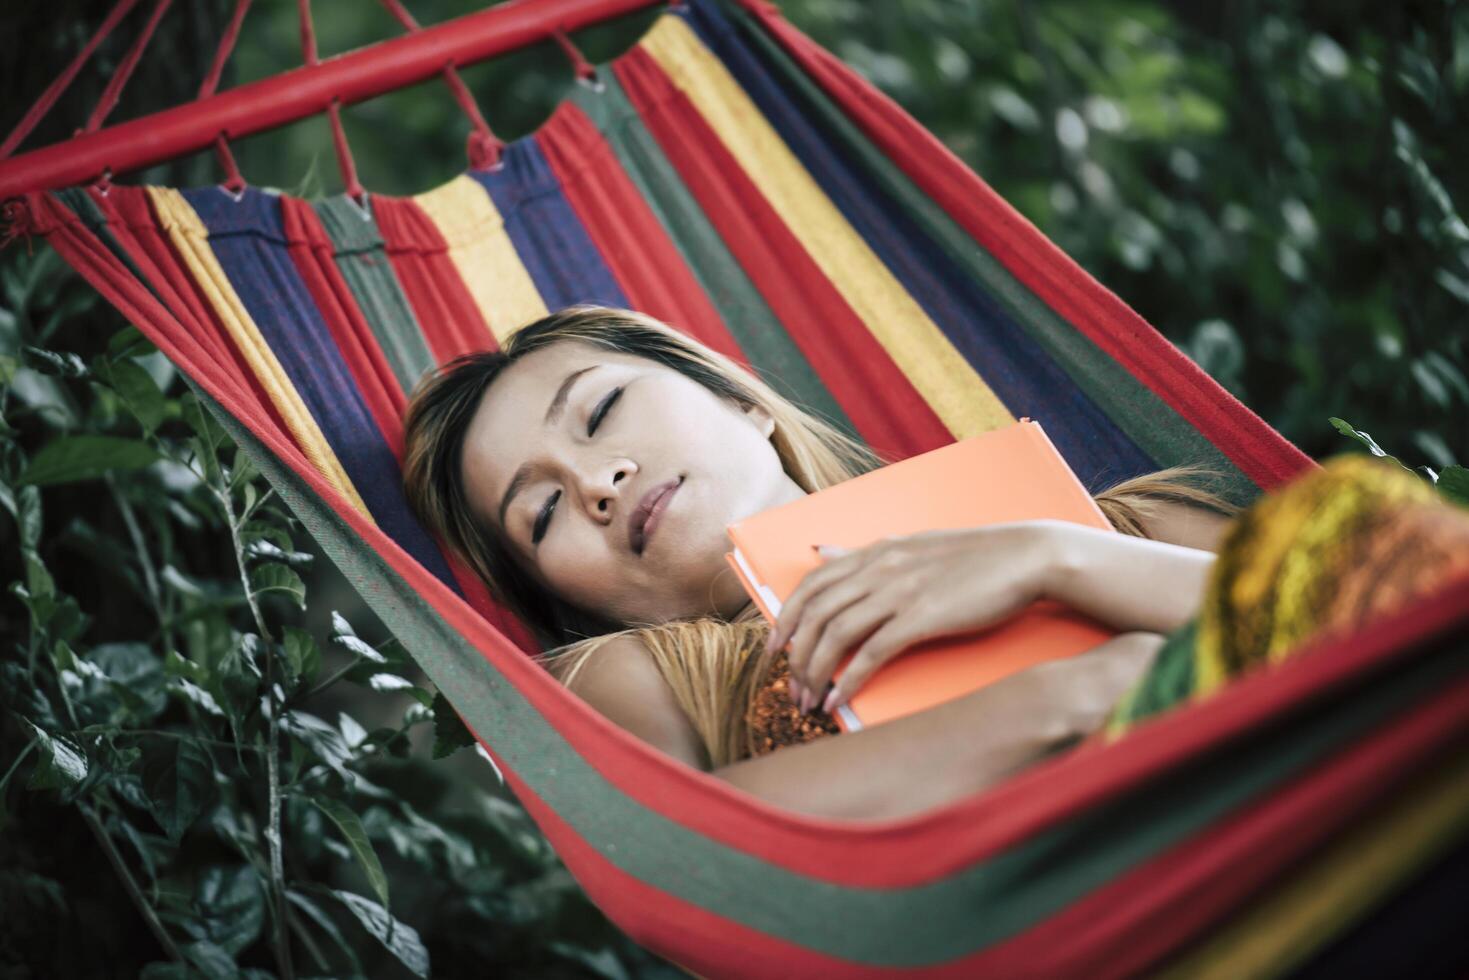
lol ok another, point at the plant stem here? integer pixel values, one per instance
(182, 736)
(273, 820)
(130, 883)
(145, 560)
(335, 676)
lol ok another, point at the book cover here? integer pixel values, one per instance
(1009, 474)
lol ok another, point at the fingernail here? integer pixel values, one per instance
(830, 702)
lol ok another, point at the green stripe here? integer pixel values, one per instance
(1146, 419)
(363, 260)
(754, 326)
(80, 203)
(970, 910)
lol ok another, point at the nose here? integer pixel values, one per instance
(602, 490)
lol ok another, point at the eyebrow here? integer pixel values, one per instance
(553, 415)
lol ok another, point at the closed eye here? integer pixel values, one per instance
(543, 519)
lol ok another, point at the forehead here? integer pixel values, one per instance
(508, 424)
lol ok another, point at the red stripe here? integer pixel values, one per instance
(447, 313)
(1127, 926)
(875, 394)
(1264, 455)
(646, 264)
(1121, 930)
(311, 249)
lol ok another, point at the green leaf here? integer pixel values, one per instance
(63, 364)
(140, 392)
(1346, 429)
(85, 457)
(1453, 483)
(401, 940)
(213, 962)
(351, 827)
(301, 653)
(388, 682)
(268, 550)
(38, 580)
(322, 739)
(192, 692)
(242, 469)
(62, 765)
(179, 780)
(326, 924)
(450, 733)
(29, 502)
(136, 675)
(230, 905)
(127, 341)
(274, 577)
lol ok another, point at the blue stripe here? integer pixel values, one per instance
(1020, 373)
(248, 238)
(549, 238)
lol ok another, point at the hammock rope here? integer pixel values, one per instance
(483, 146)
(58, 87)
(737, 181)
(345, 162)
(120, 78)
(233, 182)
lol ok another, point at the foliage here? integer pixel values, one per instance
(1453, 482)
(1274, 185)
(167, 713)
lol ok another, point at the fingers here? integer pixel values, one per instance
(811, 585)
(832, 603)
(840, 637)
(890, 639)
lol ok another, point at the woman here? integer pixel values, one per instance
(541, 466)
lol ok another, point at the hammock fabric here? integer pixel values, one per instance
(739, 182)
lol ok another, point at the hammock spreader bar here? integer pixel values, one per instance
(307, 91)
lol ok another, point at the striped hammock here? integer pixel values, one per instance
(732, 178)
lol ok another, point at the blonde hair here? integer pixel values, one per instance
(706, 661)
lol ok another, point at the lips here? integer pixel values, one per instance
(645, 516)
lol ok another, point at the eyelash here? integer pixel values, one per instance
(543, 519)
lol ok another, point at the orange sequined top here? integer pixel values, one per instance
(774, 719)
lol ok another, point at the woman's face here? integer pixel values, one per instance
(573, 490)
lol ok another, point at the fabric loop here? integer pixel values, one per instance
(233, 181)
(483, 147)
(15, 222)
(584, 69)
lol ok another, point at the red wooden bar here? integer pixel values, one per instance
(307, 91)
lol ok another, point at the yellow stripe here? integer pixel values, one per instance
(483, 254)
(1346, 882)
(191, 238)
(955, 392)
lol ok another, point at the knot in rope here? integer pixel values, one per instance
(15, 222)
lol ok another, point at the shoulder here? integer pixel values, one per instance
(1184, 524)
(622, 681)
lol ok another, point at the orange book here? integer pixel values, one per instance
(1008, 474)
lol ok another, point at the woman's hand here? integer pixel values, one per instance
(904, 590)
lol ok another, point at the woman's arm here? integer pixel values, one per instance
(1126, 582)
(901, 767)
